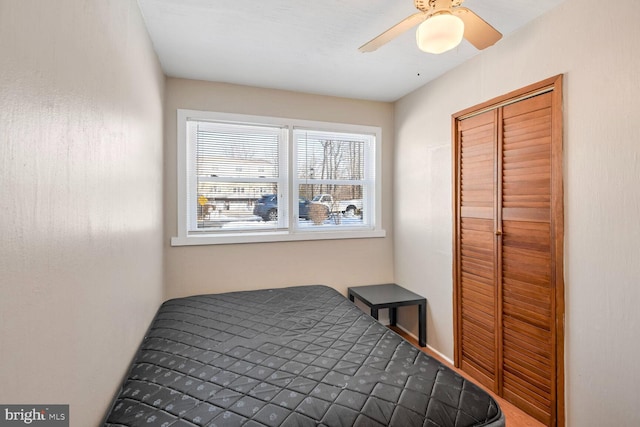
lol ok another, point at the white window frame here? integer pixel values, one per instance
(288, 183)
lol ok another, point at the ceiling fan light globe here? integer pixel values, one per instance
(440, 33)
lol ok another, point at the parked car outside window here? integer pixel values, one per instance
(266, 207)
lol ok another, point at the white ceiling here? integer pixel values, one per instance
(310, 46)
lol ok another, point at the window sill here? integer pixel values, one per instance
(284, 236)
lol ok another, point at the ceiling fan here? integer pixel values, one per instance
(443, 23)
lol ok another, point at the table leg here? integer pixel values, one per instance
(351, 297)
(374, 313)
(422, 323)
(393, 315)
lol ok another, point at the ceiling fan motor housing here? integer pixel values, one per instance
(433, 6)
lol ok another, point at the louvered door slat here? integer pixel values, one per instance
(516, 164)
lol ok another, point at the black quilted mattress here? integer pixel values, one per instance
(299, 356)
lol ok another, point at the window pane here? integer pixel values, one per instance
(331, 172)
(235, 165)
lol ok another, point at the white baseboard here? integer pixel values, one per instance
(383, 317)
(428, 346)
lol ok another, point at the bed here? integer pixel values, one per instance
(298, 356)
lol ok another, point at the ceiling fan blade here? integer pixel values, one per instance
(393, 32)
(476, 30)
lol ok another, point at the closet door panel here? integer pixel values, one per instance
(527, 287)
(476, 258)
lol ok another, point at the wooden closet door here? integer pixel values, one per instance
(508, 248)
(477, 267)
(528, 317)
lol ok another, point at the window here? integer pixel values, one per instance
(258, 179)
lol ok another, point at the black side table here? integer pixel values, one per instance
(392, 296)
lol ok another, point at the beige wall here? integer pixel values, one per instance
(596, 48)
(223, 268)
(80, 199)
